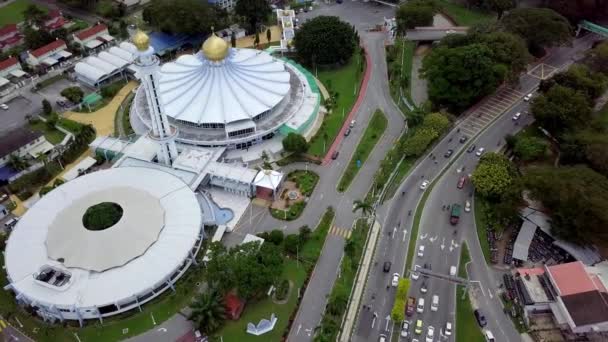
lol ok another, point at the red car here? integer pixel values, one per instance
(461, 182)
(411, 306)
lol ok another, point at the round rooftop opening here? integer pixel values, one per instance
(102, 216)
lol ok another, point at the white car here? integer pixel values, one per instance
(448, 329)
(4, 106)
(405, 328)
(395, 280)
(423, 287)
(467, 206)
(480, 151)
(420, 306)
(452, 270)
(528, 97)
(435, 303)
(421, 251)
(424, 185)
(430, 334)
(415, 273)
(516, 116)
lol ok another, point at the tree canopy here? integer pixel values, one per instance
(325, 40)
(208, 311)
(598, 60)
(294, 142)
(184, 16)
(415, 13)
(561, 109)
(576, 201)
(458, 76)
(254, 11)
(578, 77)
(493, 176)
(530, 148)
(540, 27)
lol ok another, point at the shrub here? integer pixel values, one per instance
(74, 94)
(291, 244)
(282, 289)
(276, 237)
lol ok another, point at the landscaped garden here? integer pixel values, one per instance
(52, 134)
(368, 141)
(293, 194)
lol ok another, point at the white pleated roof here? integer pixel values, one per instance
(152, 193)
(246, 83)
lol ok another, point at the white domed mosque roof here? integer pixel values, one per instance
(220, 84)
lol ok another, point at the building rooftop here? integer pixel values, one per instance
(6, 29)
(41, 51)
(571, 278)
(9, 62)
(17, 138)
(91, 31)
(587, 307)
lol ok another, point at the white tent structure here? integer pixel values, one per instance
(94, 70)
(71, 273)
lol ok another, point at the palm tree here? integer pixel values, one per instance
(208, 312)
(364, 206)
(17, 162)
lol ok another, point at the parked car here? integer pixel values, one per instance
(424, 185)
(471, 148)
(395, 280)
(405, 328)
(387, 266)
(335, 155)
(347, 132)
(411, 306)
(516, 116)
(481, 319)
(461, 182)
(463, 139)
(448, 153)
(480, 151)
(4, 106)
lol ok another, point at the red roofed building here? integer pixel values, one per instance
(10, 37)
(234, 306)
(575, 294)
(54, 21)
(49, 54)
(93, 37)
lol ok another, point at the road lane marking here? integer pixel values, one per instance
(404, 234)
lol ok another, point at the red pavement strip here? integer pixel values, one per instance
(363, 90)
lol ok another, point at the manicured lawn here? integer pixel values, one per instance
(464, 259)
(13, 12)
(52, 135)
(346, 82)
(479, 208)
(368, 141)
(293, 270)
(70, 125)
(466, 325)
(463, 16)
(293, 212)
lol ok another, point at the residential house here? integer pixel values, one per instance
(55, 21)
(10, 37)
(10, 68)
(23, 142)
(48, 55)
(93, 37)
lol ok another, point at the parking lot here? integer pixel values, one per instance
(19, 108)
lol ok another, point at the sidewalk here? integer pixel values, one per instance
(357, 293)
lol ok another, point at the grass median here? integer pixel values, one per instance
(466, 325)
(479, 208)
(345, 82)
(368, 141)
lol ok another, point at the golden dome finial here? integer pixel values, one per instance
(215, 48)
(141, 41)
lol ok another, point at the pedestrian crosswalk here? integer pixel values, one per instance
(3, 325)
(343, 232)
(488, 110)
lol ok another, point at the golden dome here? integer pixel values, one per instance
(215, 48)
(141, 41)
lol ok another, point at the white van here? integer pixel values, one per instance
(489, 336)
(10, 223)
(435, 303)
(420, 307)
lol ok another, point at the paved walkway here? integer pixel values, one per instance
(103, 119)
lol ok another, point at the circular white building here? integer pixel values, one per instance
(68, 272)
(222, 96)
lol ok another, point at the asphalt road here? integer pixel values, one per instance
(435, 230)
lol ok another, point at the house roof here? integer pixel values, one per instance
(53, 14)
(17, 138)
(41, 51)
(571, 278)
(6, 29)
(589, 307)
(7, 63)
(91, 31)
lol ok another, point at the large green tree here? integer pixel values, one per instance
(325, 40)
(208, 311)
(530, 148)
(499, 6)
(540, 27)
(295, 143)
(418, 143)
(494, 175)
(576, 201)
(508, 50)
(254, 11)
(459, 76)
(184, 16)
(415, 13)
(561, 109)
(598, 60)
(578, 77)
